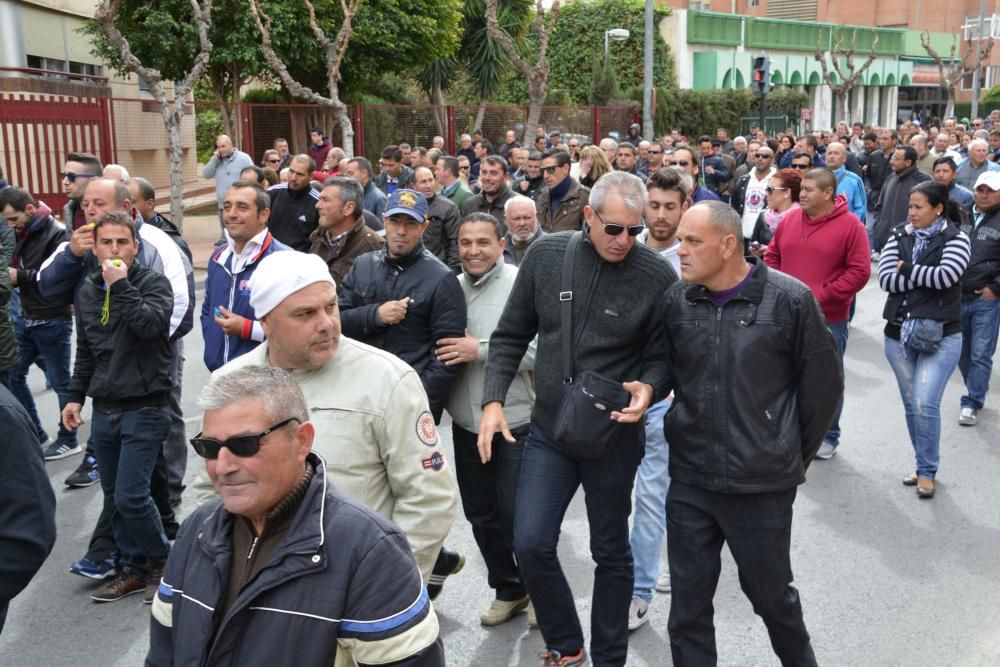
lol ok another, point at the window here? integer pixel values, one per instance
(143, 84)
(991, 27)
(987, 77)
(54, 65)
(700, 6)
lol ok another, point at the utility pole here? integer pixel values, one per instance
(976, 83)
(647, 75)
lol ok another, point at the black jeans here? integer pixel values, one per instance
(488, 492)
(758, 529)
(549, 480)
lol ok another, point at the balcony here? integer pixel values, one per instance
(712, 28)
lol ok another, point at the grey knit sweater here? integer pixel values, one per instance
(615, 327)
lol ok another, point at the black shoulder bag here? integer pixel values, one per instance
(583, 429)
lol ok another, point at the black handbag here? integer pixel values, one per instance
(583, 429)
(926, 335)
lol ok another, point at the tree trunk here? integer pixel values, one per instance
(343, 117)
(480, 114)
(440, 113)
(219, 88)
(534, 114)
(172, 116)
(949, 107)
(842, 102)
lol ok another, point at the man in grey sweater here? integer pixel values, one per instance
(616, 284)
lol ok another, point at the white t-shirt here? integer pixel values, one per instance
(755, 201)
(670, 253)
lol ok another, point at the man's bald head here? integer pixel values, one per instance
(103, 195)
(836, 155)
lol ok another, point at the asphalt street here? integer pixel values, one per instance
(885, 578)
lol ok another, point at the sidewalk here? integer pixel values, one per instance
(201, 233)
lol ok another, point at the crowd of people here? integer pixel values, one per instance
(660, 321)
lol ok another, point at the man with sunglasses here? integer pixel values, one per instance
(76, 174)
(123, 362)
(616, 284)
(381, 444)
(749, 194)
(282, 553)
(560, 203)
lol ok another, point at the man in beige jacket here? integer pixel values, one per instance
(373, 424)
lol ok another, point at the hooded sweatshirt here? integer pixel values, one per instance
(829, 254)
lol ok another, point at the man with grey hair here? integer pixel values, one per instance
(225, 166)
(360, 169)
(615, 285)
(610, 148)
(522, 228)
(342, 234)
(381, 444)
(728, 481)
(975, 164)
(925, 159)
(276, 503)
(116, 172)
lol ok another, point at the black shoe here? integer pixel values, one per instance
(448, 563)
(86, 474)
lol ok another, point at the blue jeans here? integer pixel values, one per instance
(50, 340)
(980, 324)
(548, 481)
(840, 332)
(922, 379)
(126, 445)
(649, 525)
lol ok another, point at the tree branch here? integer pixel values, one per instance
(294, 87)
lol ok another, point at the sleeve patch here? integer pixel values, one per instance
(426, 430)
(434, 462)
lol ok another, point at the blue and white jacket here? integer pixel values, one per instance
(224, 287)
(342, 580)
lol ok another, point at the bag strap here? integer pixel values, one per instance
(566, 307)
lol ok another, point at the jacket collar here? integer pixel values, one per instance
(487, 277)
(406, 261)
(752, 292)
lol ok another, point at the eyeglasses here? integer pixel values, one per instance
(277, 161)
(614, 229)
(679, 163)
(771, 190)
(240, 445)
(71, 176)
(550, 170)
(800, 166)
(763, 156)
(654, 152)
(464, 168)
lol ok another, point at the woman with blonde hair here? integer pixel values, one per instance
(593, 164)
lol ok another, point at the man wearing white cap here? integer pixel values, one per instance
(376, 433)
(980, 294)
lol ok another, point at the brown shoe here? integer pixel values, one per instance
(153, 578)
(126, 582)
(925, 488)
(910, 480)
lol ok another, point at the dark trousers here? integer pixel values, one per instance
(548, 481)
(757, 528)
(175, 447)
(48, 340)
(102, 540)
(488, 492)
(127, 444)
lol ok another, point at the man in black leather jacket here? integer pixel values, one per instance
(403, 299)
(756, 380)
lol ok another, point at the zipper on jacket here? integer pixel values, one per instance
(232, 300)
(248, 563)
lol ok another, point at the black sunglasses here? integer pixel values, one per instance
(679, 163)
(614, 229)
(771, 190)
(71, 176)
(760, 156)
(240, 445)
(800, 166)
(550, 170)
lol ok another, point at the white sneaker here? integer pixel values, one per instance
(663, 583)
(502, 611)
(967, 417)
(826, 451)
(875, 256)
(638, 614)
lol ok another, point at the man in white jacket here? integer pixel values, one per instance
(373, 424)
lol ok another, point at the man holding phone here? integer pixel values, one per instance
(228, 324)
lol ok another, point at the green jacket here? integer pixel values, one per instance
(9, 357)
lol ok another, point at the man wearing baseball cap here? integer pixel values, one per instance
(380, 444)
(403, 299)
(980, 294)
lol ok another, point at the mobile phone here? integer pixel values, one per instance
(218, 312)
(755, 245)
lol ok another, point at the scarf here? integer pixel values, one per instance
(773, 218)
(923, 238)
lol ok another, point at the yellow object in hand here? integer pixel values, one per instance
(116, 262)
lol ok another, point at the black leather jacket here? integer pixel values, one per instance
(437, 310)
(43, 239)
(756, 384)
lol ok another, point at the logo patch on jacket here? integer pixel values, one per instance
(245, 285)
(434, 462)
(426, 430)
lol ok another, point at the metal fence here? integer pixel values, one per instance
(37, 132)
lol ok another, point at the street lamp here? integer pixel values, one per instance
(617, 34)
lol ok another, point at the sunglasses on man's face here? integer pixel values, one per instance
(614, 229)
(551, 169)
(240, 445)
(763, 156)
(679, 163)
(71, 177)
(800, 166)
(771, 190)
(653, 151)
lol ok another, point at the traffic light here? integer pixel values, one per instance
(760, 78)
